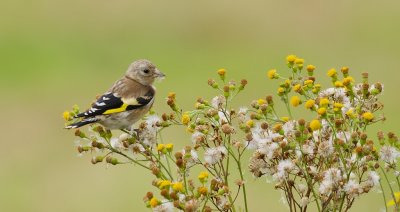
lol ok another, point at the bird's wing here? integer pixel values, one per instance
(111, 103)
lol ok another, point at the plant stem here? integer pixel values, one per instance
(384, 196)
(391, 190)
(244, 185)
(398, 182)
(129, 158)
(288, 106)
(159, 161)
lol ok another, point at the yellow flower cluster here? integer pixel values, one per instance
(164, 148)
(164, 184)
(295, 62)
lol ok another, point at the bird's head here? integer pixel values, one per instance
(144, 72)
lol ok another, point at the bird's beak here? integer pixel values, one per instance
(159, 74)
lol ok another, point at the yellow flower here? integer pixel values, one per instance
(250, 123)
(315, 125)
(203, 176)
(285, 119)
(308, 82)
(202, 190)
(368, 116)
(154, 202)
(345, 70)
(324, 102)
(66, 116)
(310, 68)
(338, 105)
(291, 58)
(185, 119)
(281, 91)
(221, 72)
(350, 113)
(297, 87)
(332, 72)
(171, 95)
(321, 111)
(169, 147)
(299, 61)
(277, 127)
(295, 101)
(348, 80)
(338, 84)
(178, 186)
(160, 147)
(397, 199)
(272, 74)
(261, 102)
(163, 184)
(309, 104)
(288, 82)
(316, 89)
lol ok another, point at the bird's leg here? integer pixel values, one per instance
(137, 133)
(134, 132)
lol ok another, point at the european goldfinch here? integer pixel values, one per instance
(127, 101)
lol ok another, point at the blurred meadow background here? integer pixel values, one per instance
(54, 54)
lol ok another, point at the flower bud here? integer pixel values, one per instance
(243, 83)
(212, 83)
(165, 193)
(221, 72)
(79, 133)
(112, 160)
(97, 159)
(227, 129)
(269, 100)
(83, 148)
(149, 195)
(345, 71)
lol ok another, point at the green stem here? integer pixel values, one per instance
(205, 203)
(287, 106)
(344, 194)
(241, 177)
(398, 182)
(184, 180)
(232, 203)
(159, 161)
(129, 158)
(391, 190)
(244, 186)
(384, 196)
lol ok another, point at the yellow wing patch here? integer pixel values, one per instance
(127, 102)
(116, 110)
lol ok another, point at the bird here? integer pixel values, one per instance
(126, 102)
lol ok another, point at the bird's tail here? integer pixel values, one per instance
(82, 123)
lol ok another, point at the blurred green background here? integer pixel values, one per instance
(55, 53)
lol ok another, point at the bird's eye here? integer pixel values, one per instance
(146, 71)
